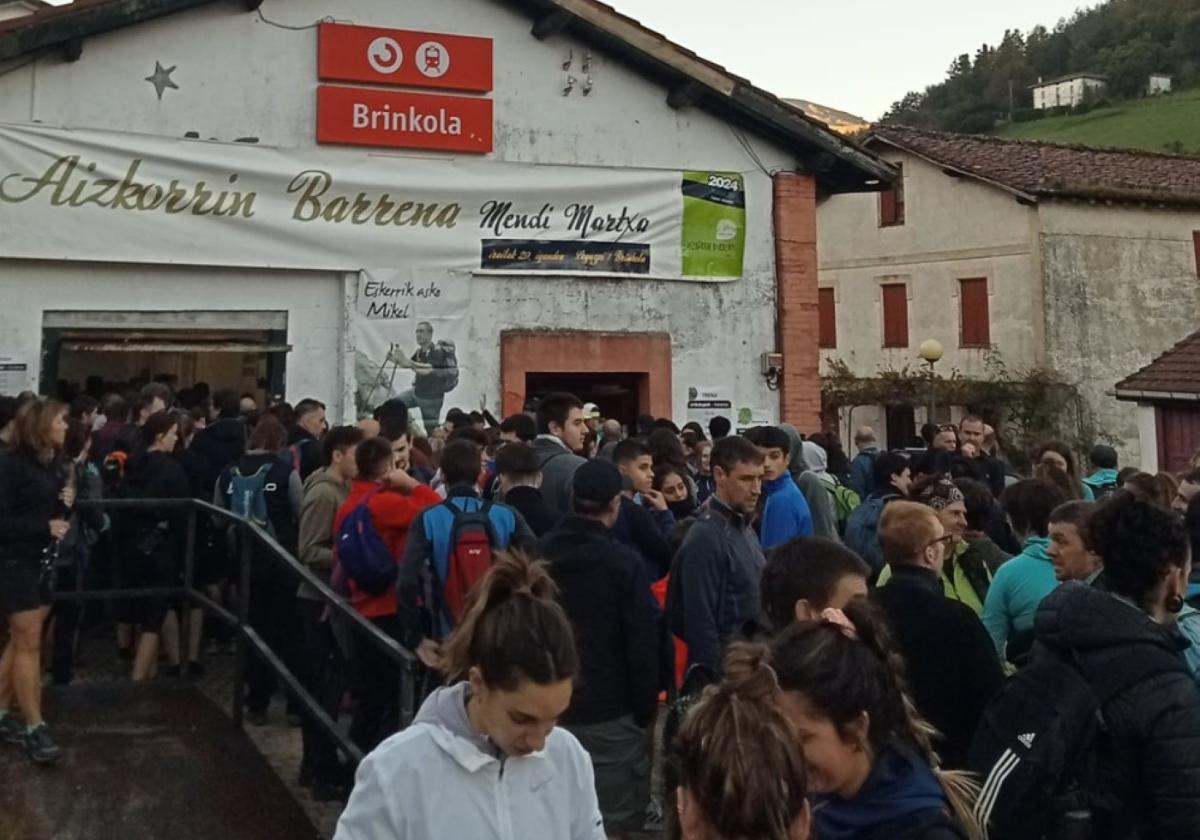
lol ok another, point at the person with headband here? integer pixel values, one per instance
(741, 766)
(872, 770)
(484, 756)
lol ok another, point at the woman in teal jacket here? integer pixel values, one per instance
(1020, 584)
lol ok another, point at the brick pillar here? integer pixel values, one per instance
(795, 214)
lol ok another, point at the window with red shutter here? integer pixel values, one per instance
(895, 314)
(826, 318)
(975, 328)
(891, 202)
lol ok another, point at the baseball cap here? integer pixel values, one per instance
(591, 411)
(597, 481)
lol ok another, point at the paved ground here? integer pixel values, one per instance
(146, 762)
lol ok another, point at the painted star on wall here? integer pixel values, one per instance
(161, 79)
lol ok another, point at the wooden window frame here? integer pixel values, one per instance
(891, 203)
(894, 343)
(827, 321)
(974, 341)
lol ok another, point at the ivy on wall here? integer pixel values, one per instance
(1026, 407)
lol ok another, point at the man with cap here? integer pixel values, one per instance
(1104, 480)
(604, 589)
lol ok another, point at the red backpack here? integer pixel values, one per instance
(472, 542)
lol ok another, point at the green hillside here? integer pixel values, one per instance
(1164, 123)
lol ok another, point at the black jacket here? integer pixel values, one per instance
(1153, 725)
(638, 529)
(155, 475)
(529, 502)
(305, 452)
(949, 658)
(29, 493)
(215, 448)
(604, 589)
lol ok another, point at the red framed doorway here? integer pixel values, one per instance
(611, 365)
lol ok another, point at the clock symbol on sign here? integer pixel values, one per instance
(384, 55)
(433, 59)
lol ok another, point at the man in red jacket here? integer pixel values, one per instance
(398, 502)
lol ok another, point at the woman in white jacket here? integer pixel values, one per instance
(484, 759)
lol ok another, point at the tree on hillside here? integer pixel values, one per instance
(1124, 39)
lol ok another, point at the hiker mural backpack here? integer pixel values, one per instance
(248, 496)
(362, 555)
(473, 542)
(446, 374)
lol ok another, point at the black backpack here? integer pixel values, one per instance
(1043, 745)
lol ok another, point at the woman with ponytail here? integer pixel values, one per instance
(871, 766)
(484, 757)
(741, 766)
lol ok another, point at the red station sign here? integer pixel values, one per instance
(398, 119)
(403, 58)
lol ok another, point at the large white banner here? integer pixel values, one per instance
(108, 196)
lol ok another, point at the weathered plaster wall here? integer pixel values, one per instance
(954, 228)
(1120, 288)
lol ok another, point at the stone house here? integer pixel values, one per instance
(1076, 260)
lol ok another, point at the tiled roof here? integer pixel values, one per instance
(1175, 372)
(1050, 170)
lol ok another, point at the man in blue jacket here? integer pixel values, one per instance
(786, 514)
(713, 596)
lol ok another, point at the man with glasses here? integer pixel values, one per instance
(951, 664)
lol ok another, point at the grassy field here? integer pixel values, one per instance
(1153, 124)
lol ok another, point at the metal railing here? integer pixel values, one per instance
(246, 637)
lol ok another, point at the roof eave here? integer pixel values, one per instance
(59, 26)
(1135, 395)
(839, 164)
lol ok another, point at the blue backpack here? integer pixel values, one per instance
(862, 531)
(362, 554)
(248, 496)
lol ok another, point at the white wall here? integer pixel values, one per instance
(1121, 288)
(239, 77)
(1147, 426)
(313, 301)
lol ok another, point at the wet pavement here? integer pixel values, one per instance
(144, 762)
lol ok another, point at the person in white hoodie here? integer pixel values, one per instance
(484, 757)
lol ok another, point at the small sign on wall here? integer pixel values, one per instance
(401, 120)
(404, 58)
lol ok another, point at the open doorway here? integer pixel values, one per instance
(618, 395)
(87, 352)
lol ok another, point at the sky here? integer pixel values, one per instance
(855, 55)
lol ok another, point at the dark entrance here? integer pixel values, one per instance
(901, 426)
(618, 395)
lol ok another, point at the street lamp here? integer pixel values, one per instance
(931, 351)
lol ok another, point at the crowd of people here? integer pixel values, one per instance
(912, 643)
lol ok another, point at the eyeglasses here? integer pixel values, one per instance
(947, 427)
(945, 539)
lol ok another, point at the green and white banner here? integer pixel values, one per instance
(106, 196)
